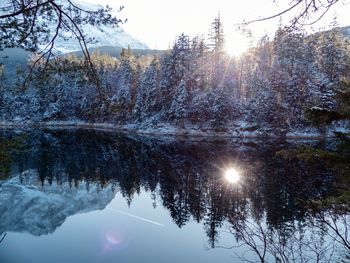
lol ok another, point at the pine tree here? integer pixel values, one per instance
(216, 38)
(174, 68)
(292, 67)
(221, 111)
(179, 104)
(333, 55)
(148, 93)
(126, 79)
(265, 110)
(322, 116)
(256, 70)
(333, 61)
(197, 77)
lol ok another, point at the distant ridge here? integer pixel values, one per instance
(115, 51)
(106, 36)
(102, 36)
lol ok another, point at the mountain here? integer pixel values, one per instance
(102, 36)
(13, 59)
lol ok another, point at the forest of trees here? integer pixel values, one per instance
(273, 88)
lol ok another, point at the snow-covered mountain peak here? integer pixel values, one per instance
(102, 36)
(87, 5)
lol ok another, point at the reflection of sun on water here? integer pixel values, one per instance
(232, 176)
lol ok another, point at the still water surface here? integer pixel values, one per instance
(89, 196)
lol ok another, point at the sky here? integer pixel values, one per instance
(158, 22)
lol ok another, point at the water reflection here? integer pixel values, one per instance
(3, 237)
(232, 175)
(63, 173)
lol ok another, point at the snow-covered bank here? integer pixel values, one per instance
(244, 130)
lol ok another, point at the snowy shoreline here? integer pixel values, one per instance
(169, 130)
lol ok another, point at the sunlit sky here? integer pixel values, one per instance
(158, 22)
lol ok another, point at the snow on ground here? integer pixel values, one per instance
(238, 130)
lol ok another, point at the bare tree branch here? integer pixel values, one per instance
(275, 15)
(27, 24)
(25, 9)
(310, 8)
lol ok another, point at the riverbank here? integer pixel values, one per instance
(239, 130)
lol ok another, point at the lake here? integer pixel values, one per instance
(94, 196)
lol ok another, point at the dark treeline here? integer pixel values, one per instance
(196, 84)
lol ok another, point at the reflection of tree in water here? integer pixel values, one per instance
(268, 205)
(7, 147)
(260, 242)
(312, 221)
(3, 237)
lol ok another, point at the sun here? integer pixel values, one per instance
(236, 44)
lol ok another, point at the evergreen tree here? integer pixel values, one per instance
(179, 104)
(216, 38)
(126, 79)
(148, 95)
(333, 60)
(221, 111)
(292, 68)
(322, 116)
(197, 74)
(174, 68)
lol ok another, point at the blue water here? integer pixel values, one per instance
(112, 235)
(85, 196)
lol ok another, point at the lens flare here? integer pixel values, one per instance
(111, 239)
(232, 176)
